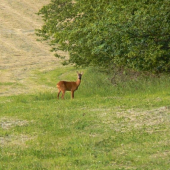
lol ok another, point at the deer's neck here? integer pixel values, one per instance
(78, 82)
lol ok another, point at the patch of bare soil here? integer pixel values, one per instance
(149, 118)
(7, 123)
(20, 53)
(127, 120)
(14, 140)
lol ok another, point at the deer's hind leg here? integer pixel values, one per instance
(63, 93)
(59, 91)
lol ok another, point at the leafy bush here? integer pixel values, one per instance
(133, 34)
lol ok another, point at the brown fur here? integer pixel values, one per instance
(72, 86)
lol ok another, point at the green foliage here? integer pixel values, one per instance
(132, 34)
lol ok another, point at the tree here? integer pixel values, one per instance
(106, 33)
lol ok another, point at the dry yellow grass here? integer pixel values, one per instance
(20, 53)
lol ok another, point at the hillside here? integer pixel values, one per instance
(20, 53)
(106, 127)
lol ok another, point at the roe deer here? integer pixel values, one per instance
(69, 86)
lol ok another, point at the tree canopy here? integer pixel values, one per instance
(132, 34)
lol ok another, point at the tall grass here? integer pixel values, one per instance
(95, 83)
(99, 83)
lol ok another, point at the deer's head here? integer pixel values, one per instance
(79, 75)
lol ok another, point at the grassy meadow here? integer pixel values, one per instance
(105, 127)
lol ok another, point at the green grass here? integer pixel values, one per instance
(105, 127)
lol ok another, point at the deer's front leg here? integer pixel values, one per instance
(72, 94)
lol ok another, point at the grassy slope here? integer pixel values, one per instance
(20, 53)
(105, 127)
(124, 127)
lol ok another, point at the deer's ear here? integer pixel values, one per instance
(82, 73)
